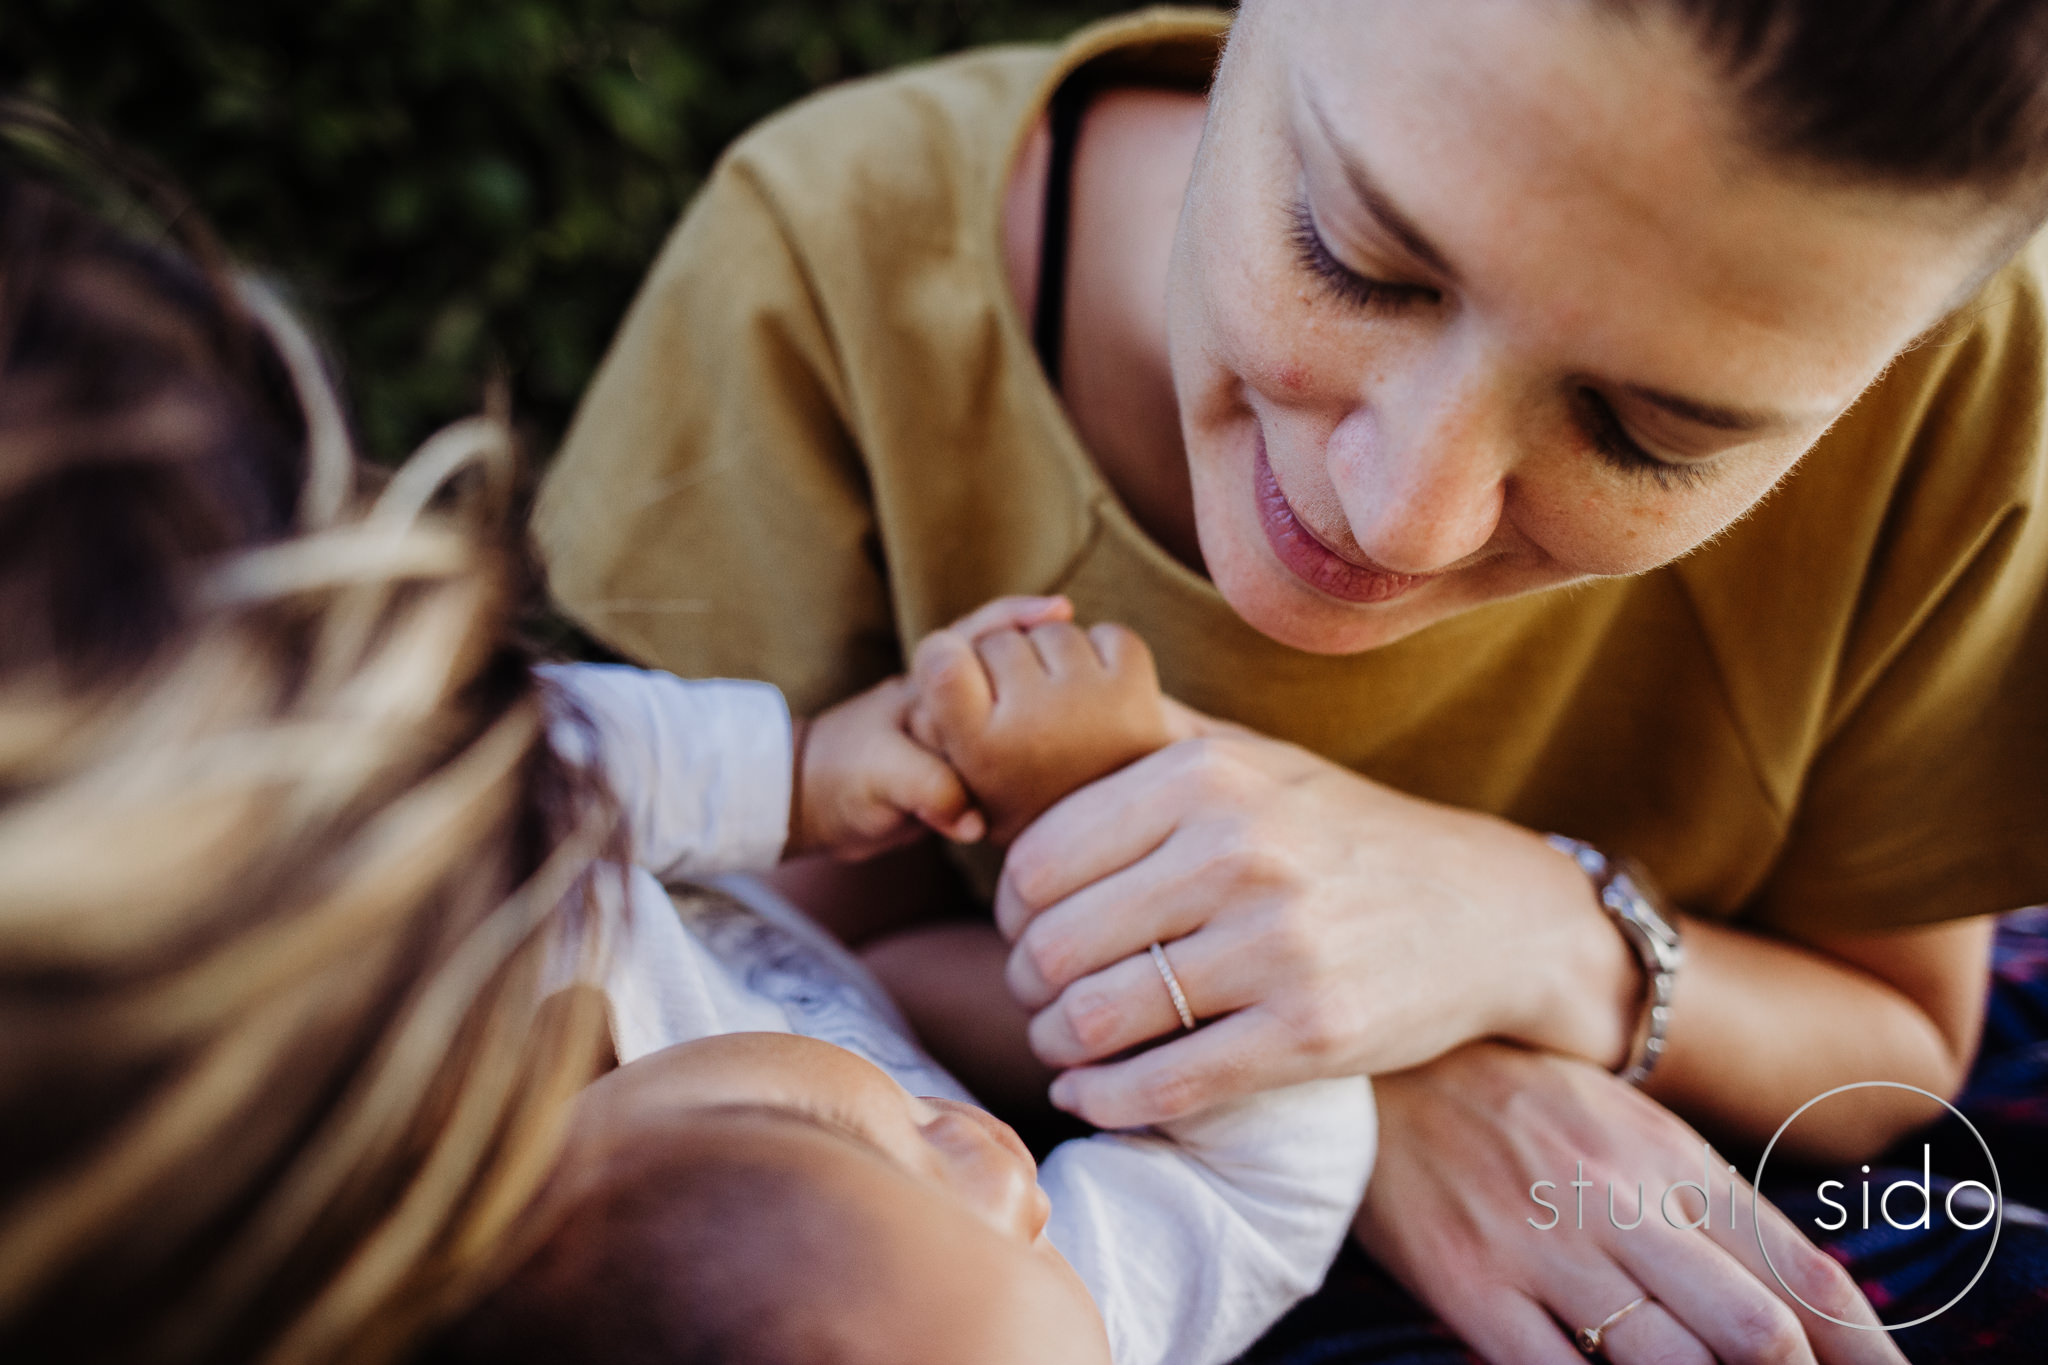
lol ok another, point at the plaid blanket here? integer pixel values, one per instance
(1361, 1317)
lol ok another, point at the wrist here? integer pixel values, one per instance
(799, 841)
(1585, 989)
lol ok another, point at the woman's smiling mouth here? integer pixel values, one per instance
(1313, 562)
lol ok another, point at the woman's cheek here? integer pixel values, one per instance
(1278, 342)
(1606, 525)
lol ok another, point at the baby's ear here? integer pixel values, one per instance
(953, 689)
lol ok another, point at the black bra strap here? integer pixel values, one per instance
(1064, 112)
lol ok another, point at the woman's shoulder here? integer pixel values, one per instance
(1924, 504)
(935, 135)
(931, 144)
(1951, 440)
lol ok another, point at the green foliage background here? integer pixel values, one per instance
(452, 186)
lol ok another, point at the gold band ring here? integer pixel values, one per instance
(1589, 1339)
(1180, 997)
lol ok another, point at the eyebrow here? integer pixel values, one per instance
(789, 1113)
(1376, 202)
(1402, 229)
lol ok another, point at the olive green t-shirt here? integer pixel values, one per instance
(823, 432)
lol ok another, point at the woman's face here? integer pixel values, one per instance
(1475, 299)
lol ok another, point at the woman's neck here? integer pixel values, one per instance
(1131, 165)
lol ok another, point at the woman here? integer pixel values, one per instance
(1614, 421)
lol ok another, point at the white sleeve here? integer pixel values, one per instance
(701, 769)
(1196, 1236)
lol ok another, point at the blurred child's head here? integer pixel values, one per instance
(281, 837)
(765, 1199)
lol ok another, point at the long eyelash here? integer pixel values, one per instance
(1347, 284)
(1614, 445)
(1610, 438)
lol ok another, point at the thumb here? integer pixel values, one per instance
(918, 782)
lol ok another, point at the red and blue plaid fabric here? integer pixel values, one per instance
(1361, 1317)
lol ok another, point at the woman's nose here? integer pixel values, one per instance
(1421, 473)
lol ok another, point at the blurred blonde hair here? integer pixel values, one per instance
(286, 861)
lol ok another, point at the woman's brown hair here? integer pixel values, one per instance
(1928, 94)
(287, 864)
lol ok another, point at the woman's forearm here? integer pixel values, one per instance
(1760, 1026)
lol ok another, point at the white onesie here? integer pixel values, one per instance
(1193, 1237)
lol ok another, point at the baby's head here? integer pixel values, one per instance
(763, 1199)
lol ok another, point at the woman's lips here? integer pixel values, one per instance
(1308, 558)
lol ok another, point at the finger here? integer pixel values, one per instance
(1731, 1311)
(1681, 1277)
(1510, 1328)
(1584, 1291)
(915, 780)
(1128, 1003)
(1012, 662)
(1796, 1265)
(923, 725)
(1012, 613)
(1066, 650)
(1217, 1062)
(1107, 825)
(1162, 897)
(952, 687)
(1120, 648)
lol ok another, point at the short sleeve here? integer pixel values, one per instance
(1925, 796)
(1929, 800)
(708, 513)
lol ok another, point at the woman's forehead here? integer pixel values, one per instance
(1585, 180)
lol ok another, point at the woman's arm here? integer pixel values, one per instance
(1328, 924)
(1451, 1212)
(1761, 1025)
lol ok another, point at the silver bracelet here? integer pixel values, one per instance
(1646, 920)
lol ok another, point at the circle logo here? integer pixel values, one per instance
(1997, 1204)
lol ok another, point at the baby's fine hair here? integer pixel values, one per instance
(680, 1256)
(285, 857)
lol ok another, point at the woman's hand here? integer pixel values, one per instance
(1326, 924)
(1450, 1213)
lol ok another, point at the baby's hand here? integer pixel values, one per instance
(863, 786)
(1026, 715)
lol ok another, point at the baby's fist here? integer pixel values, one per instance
(863, 786)
(1026, 716)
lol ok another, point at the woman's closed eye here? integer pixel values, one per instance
(1602, 426)
(1611, 441)
(1358, 290)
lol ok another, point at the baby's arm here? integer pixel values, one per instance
(701, 770)
(714, 777)
(1195, 1237)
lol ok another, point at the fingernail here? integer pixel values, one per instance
(1062, 1094)
(971, 828)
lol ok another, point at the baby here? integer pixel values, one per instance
(778, 1172)
(770, 1199)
